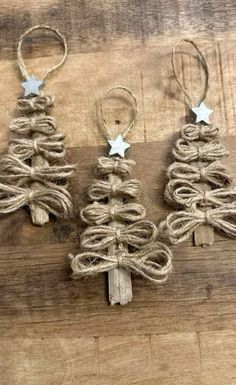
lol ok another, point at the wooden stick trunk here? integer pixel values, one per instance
(39, 216)
(119, 279)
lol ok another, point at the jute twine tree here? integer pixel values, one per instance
(199, 184)
(118, 239)
(30, 173)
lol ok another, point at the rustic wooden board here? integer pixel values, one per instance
(54, 330)
(40, 303)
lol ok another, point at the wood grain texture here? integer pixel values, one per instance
(53, 330)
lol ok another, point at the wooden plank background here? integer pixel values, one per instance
(55, 331)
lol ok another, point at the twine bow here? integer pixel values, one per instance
(138, 234)
(199, 132)
(45, 125)
(19, 170)
(98, 214)
(154, 263)
(37, 103)
(50, 147)
(55, 200)
(187, 194)
(179, 225)
(214, 173)
(120, 166)
(104, 189)
(185, 151)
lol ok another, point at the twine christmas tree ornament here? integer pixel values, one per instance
(199, 184)
(118, 239)
(30, 173)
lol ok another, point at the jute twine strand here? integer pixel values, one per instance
(20, 60)
(55, 200)
(202, 132)
(214, 173)
(187, 194)
(102, 189)
(185, 151)
(204, 65)
(179, 225)
(134, 111)
(15, 169)
(52, 147)
(45, 125)
(99, 214)
(24, 180)
(152, 261)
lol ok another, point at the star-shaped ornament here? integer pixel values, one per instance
(118, 146)
(31, 86)
(202, 113)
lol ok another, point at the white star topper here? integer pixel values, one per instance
(202, 113)
(118, 146)
(31, 86)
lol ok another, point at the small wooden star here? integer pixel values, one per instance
(118, 146)
(202, 112)
(31, 86)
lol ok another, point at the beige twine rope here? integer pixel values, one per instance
(102, 189)
(25, 179)
(118, 166)
(110, 215)
(204, 65)
(45, 125)
(55, 200)
(15, 169)
(20, 60)
(214, 173)
(100, 237)
(199, 132)
(179, 225)
(35, 104)
(189, 195)
(52, 147)
(98, 214)
(185, 151)
(153, 263)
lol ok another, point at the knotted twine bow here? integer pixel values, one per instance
(98, 214)
(102, 189)
(214, 173)
(101, 237)
(185, 151)
(199, 132)
(153, 263)
(114, 165)
(189, 195)
(179, 225)
(55, 200)
(19, 171)
(50, 147)
(45, 125)
(37, 103)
